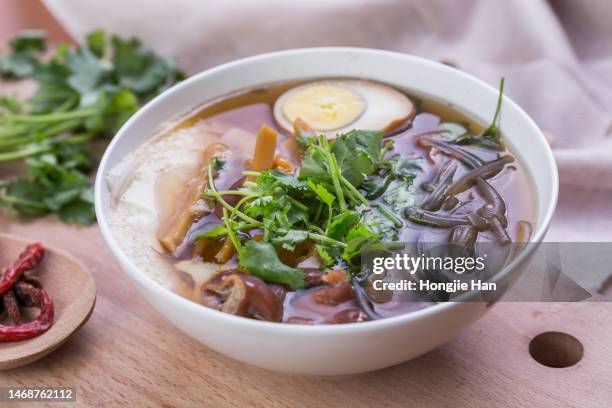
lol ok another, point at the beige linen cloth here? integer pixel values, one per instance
(556, 57)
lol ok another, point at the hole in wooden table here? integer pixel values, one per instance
(556, 349)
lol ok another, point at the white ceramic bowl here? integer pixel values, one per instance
(332, 349)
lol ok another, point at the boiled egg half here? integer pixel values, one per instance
(334, 107)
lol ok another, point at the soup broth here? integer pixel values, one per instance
(191, 204)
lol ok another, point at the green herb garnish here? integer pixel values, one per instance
(55, 183)
(324, 203)
(490, 138)
(82, 94)
(24, 59)
(261, 259)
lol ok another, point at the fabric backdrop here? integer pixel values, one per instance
(556, 57)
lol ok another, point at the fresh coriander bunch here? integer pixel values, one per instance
(82, 93)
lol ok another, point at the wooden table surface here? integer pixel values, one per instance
(127, 354)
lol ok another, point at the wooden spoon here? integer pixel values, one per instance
(70, 286)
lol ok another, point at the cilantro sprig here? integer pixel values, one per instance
(82, 94)
(490, 138)
(324, 203)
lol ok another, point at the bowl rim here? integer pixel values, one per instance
(160, 291)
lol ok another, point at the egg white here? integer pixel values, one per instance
(385, 107)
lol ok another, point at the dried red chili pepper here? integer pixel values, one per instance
(16, 286)
(31, 279)
(34, 328)
(28, 259)
(11, 307)
(27, 294)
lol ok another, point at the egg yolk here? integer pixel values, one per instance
(324, 107)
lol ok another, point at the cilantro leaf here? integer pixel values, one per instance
(401, 166)
(321, 192)
(360, 231)
(354, 165)
(290, 239)
(77, 212)
(87, 72)
(29, 40)
(271, 179)
(356, 246)
(116, 107)
(341, 224)
(25, 197)
(274, 204)
(325, 255)
(325, 197)
(366, 141)
(261, 260)
(400, 194)
(96, 42)
(376, 185)
(55, 182)
(140, 70)
(357, 152)
(18, 65)
(24, 59)
(50, 95)
(380, 226)
(314, 167)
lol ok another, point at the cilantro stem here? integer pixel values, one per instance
(224, 203)
(251, 173)
(319, 209)
(330, 214)
(351, 197)
(333, 169)
(28, 151)
(38, 135)
(231, 233)
(13, 131)
(16, 141)
(336, 181)
(492, 130)
(243, 227)
(228, 207)
(389, 215)
(242, 201)
(326, 240)
(79, 138)
(69, 104)
(354, 191)
(319, 238)
(7, 199)
(61, 127)
(298, 204)
(317, 229)
(230, 192)
(50, 117)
